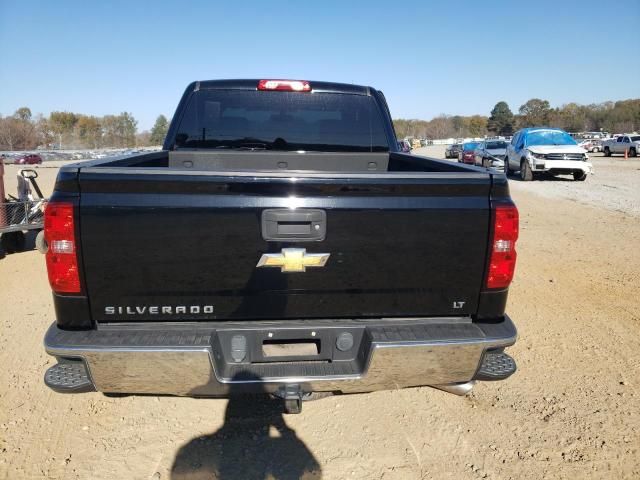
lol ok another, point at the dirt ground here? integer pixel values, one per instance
(571, 411)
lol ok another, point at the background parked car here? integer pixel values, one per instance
(404, 146)
(452, 150)
(621, 144)
(466, 153)
(551, 151)
(30, 159)
(491, 153)
(591, 145)
(595, 145)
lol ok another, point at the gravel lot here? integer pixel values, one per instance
(614, 185)
(571, 411)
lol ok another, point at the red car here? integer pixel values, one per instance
(31, 159)
(466, 153)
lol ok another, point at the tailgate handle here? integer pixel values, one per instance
(284, 225)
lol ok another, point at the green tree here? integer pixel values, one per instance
(62, 122)
(400, 126)
(129, 126)
(501, 121)
(143, 139)
(159, 130)
(62, 125)
(476, 125)
(441, 127)
(89, 130)
(623, 116)
(119, 130)
(18, 131)
(43, 131)
(459, 125)
(110, 131)
(9, 132)
(535, 113)
(23, 113)
(570, 117)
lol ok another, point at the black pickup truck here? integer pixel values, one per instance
(280, 243)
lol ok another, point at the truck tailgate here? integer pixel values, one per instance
(173, 246)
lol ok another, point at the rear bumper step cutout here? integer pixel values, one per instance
(69, 377)
(496, 366)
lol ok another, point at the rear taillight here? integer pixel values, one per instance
(503, 246)
(59, 234)
(285, 85)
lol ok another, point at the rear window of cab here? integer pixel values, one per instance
(280, 120)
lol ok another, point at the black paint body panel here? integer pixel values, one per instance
(406, 247)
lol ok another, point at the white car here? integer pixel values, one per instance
(552, 151)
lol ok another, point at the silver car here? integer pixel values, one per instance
(491, 153)
(452, 150)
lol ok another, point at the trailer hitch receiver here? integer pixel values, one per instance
(292, 396)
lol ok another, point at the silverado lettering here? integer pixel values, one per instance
(159, 310)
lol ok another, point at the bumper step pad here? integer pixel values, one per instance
(496, 366)
(69, 378)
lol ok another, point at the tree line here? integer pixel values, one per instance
(24, 131)
(614, 117)
(68, 130)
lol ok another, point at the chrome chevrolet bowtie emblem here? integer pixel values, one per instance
(293, 260)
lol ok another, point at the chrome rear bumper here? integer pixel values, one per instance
(195, 360)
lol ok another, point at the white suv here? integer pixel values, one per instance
(546, 150)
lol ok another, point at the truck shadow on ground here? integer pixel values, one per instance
(254, 443)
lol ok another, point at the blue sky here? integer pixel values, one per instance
(454, 57)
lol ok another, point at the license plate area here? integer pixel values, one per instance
(278, 345)
(290, 348)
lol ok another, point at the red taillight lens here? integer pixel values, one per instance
(59, 233)
(285, 85)
(503, 246)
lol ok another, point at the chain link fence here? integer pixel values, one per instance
(17, 216)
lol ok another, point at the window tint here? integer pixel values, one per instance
(282, 121)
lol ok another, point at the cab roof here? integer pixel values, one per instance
(252, 84)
